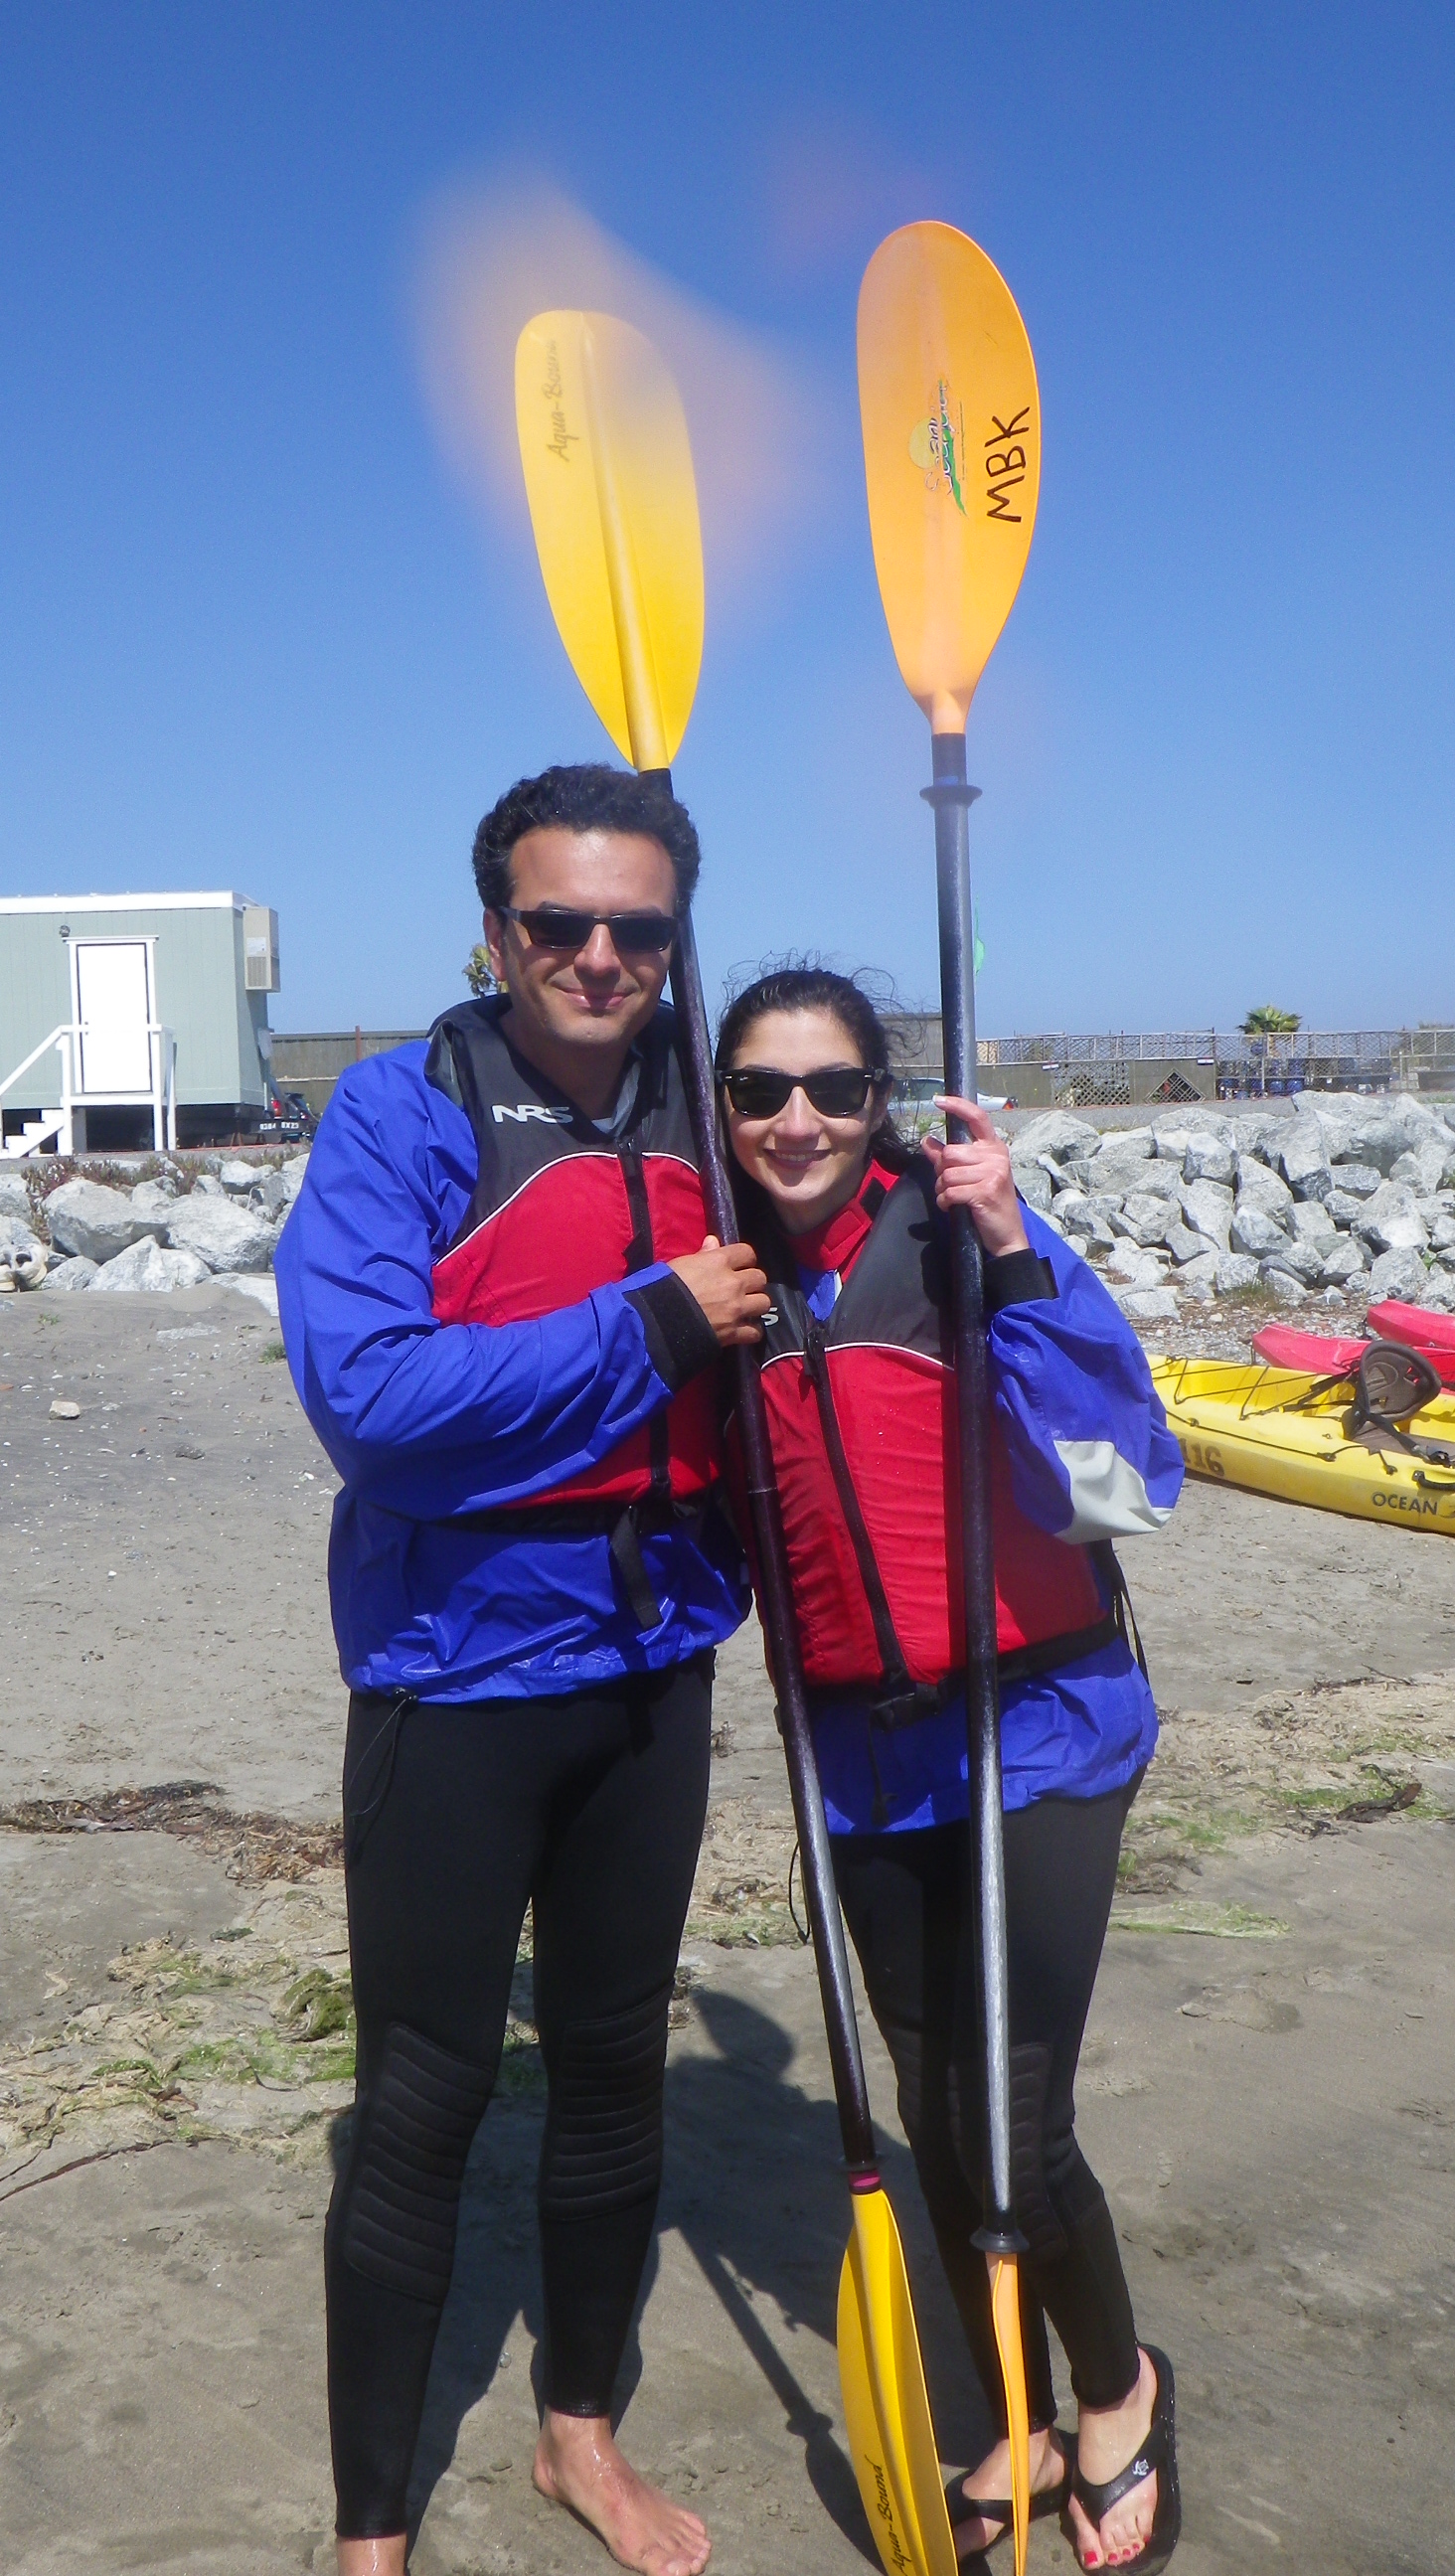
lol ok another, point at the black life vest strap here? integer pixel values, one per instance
(896, 1699)
(640, 1255)
(624, 1525)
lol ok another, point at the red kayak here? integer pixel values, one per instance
(1419, 1330)
(1319, 1354)
(1331, 1355)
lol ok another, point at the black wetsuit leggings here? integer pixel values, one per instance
(909, 1903)
(590, 1808)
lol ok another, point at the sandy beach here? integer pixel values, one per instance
(1268, 2086)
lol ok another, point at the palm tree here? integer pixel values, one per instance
(1266, 1022)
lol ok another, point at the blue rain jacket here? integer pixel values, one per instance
(1091, 1458)
(427, 1423)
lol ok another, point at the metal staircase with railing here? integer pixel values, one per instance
(59, 1125)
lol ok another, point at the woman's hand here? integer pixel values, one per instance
(977, 1176)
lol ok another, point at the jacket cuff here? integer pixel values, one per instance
(1017, 1279)
(680, 1340)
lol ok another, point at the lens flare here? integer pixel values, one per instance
(490, 258)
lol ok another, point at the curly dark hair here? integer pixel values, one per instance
(589, 797)
(802, 984)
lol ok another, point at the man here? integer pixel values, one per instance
(503, 1320)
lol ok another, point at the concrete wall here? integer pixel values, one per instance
(311, 1062)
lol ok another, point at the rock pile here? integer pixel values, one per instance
(1350, 1198)
(161, 1235)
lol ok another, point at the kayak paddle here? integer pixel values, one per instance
(952, 448)
(613, 502)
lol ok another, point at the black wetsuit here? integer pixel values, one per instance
(911, 1912)
(590, 1808)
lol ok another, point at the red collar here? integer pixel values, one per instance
(836, 1244)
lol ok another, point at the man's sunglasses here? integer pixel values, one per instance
(835, 1090)
(632, 933)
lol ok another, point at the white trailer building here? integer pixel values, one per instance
(133, 1020)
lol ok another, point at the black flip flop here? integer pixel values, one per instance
(1000, 2508)
(1159, 2452)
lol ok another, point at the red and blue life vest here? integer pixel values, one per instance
(559, 1209)
(861, 1415)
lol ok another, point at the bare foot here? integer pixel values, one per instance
(992, 2478)
(578, 2464)
(1108, 2437)
(373, 2557)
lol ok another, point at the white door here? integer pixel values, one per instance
(113, 1004)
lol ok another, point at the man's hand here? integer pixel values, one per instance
(977, 1176)
(729, 1287)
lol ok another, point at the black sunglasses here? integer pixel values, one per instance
(834, 1090)
(632, 933)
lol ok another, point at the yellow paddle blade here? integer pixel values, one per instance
(952, 456)
(613, 503)
(1005, 2309)
(886, 2406)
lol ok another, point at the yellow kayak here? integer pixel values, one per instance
(1287, 1433)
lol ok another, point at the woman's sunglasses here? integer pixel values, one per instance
(632, 933)
(835, 1090)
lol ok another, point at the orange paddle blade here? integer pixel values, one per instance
(1005, 2309)
(952, 456)
(613, 504)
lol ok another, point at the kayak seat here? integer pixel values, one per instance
(1391, 1385)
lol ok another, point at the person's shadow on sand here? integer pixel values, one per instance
(754, 2185)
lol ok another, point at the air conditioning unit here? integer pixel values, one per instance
(260, 949)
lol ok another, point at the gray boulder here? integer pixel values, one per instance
(1135, 1267)
(1235, 1270)
(1262, 1188)
(14, 1197)
(1344, 1209)
(1146, 1217)
(1199, 1278)
(1357, 1180)
(1055, 1133)
(1256, 1233)
(237, 1177)
(1399, 1274)
(1309, 1221)
(208, 1186)
(1121, 1165)
(1442, 1233)
(226, 1237)
(272, 1195)
(295, 1171)
(1344, 1259)
(1304, 1261)
(1208, 1208)
(1149, 1305)
(1390, 1221)
(1209, 1158)
(1304, 1163)
(1282, 1284)
(146, 1266)
(1260, 1135)
(76, 1272)
(1395, 1128)
(1424, 1167)
(1033, 1184)
(97, 1223)
(1186, 1246)
(155, 1198)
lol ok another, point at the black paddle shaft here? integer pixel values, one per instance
(952, 799)
(830, 1952)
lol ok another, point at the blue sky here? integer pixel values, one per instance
(258, 628)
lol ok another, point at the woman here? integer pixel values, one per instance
(848, 1224)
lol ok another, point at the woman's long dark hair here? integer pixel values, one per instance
(811, 987)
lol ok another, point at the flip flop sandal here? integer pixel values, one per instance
(1000, 2508)
(1159, 2452)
